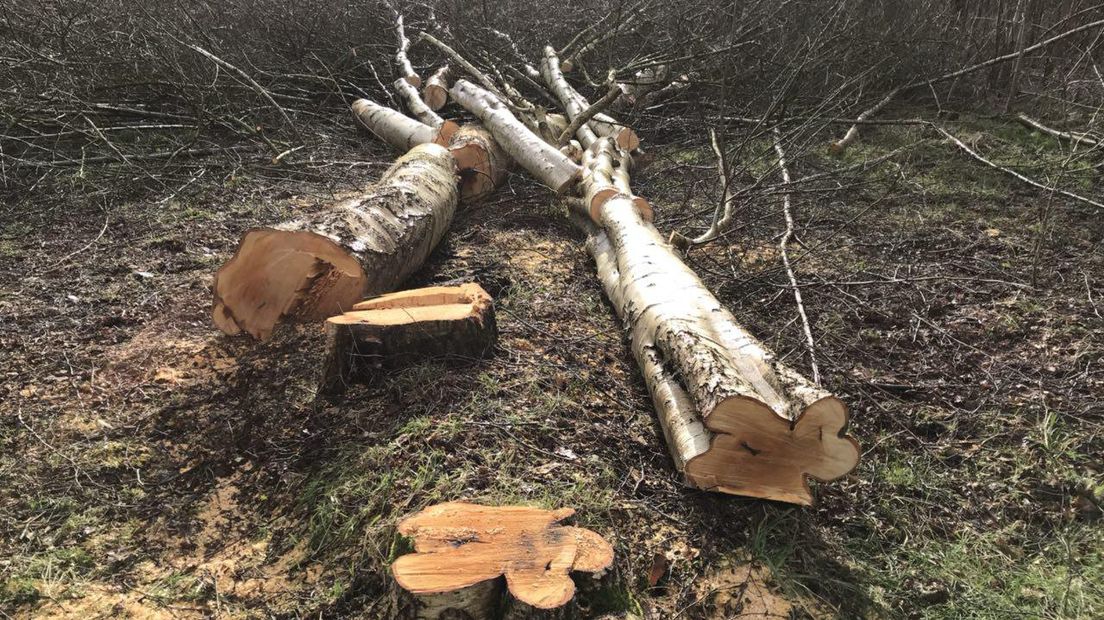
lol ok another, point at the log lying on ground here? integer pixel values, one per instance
(436, 88)
(481, 162)
(601, 125)
(400, 131)
(736, 419)
(445, 322)
(414, 104)
(406, 70)
(462, 549)
(320, 265)
(543, 161)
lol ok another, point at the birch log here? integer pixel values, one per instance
(481, 162)
(400, 131)
(406, 70)
(321, 264)
(436, 88)
(542, 160)
(601, 125)
(736, 419)
(414, 104)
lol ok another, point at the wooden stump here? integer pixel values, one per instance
(462, 550)
(456, 322)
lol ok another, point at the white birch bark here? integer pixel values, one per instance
(395, 128)
(768, 428)
(435, 93)
(542, 160)
(321, 264)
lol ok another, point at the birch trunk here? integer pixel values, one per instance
(543, 161)
(400, 131)
(736, 420)
(481, 162)
(601, 125)
(321, 264)
(455, 323)
(414, 104)
(406, 70)
(436, 88)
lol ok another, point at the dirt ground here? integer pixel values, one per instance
(151, 467)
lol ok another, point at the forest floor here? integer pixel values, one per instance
(152, 467)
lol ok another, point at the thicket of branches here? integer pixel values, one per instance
(134, 89)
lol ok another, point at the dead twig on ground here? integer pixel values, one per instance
(960, 144)
(784, 170)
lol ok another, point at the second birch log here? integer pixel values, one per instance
(400, 131)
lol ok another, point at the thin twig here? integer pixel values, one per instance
(853, 131)
(1011, 172)
(581, 119)
(787, 212)
(66, 258)
(260, 90)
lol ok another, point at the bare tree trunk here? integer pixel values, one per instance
(400, 131)
(543, 161)
(435, 92)
(320, 265)
(600, 125)
(737, 420)
(406, 70)
(482, 163)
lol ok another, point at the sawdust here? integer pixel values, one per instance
(221, 558)
(107, 601)
(741, 591)
(166, 354)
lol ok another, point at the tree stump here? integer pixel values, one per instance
(462, 550)
(451, 322)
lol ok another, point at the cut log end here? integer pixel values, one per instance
(446, 132)
(481, 162)
(627, 139)
(277, 275)
(413, 80)
(758, 453)
(435, 92)
(435, 96)
(459, 546)
(603, 196)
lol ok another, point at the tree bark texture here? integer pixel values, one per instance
(542, 160)
(736, 420)
(321, 264)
